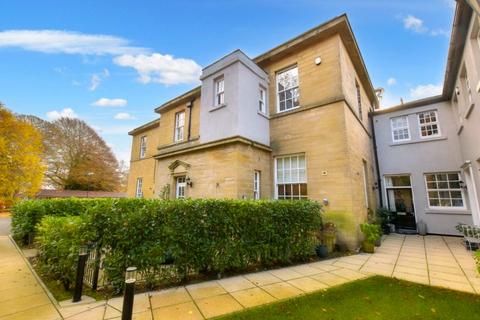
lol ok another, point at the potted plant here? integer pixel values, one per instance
(321, 249)
(329, 236)
(385, 218)
(372, 233)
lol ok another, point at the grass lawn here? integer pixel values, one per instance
(372, 298)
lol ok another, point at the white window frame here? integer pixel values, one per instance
(305, 181)
(180, 187)
(359, 99)
(468, 87)
(262, 100)
(143, 146)
(365, 183)
(179, 133)
(287, 89)
(460, 189)
(392, 129)
(256, 184)
(138, 188)
(436, 122)
(219, 85)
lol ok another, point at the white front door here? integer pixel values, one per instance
(472, 192)
(180, 187)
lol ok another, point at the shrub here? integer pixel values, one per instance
(202, 236)
(371, 232)
(27, 214)
(477, 258)
(58, 240)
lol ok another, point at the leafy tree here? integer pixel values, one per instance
(77, 157)
(21, 167)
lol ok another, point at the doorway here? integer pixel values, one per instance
(472, 192)
(399, 196)
(180, 185)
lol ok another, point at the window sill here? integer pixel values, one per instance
(393, 144)
(284, 111)
(447, 211)
(260, 113)
(217, 107)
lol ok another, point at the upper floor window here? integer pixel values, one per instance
(138, 188)
(400, 128)
(467, 88)
(287, 90)
(143, 146)
(179, 125)
(428, 122)
(262, 100)
(219, 91)
(256, 185)
(291, 177)
(444, 190)
(359, 99)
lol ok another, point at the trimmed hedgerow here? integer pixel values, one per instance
(27, 214)
(195, 236)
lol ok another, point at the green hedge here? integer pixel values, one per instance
(202, 236)
(27, 214)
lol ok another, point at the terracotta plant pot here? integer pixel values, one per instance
(368, 247)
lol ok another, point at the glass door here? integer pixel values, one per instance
(180, 187)
(400, 200)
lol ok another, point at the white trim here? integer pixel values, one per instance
(143, 147)
(178, 185)
(437, 122)
(402, 128)
(219, 95)
(275, 171)
(179, 130)
(411, 187)
(445, 208)
(257, 178)
(472, 196)
(262, 99)
(277, 94)
(138, 188)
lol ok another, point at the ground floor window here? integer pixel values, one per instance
(444, 190)
(181, 184)
(291, 177)
(256, 185)
(138, 188)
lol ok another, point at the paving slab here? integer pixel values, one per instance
(235, 284)
(169, 297)
(205, 290)
(218, 305)
(183, 311)
(252, 297)
(282, 290)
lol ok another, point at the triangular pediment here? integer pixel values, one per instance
(179, 166)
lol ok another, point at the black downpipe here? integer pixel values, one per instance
(377, 167)
(190, 107)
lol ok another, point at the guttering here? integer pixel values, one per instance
(375, 155)
(190, 107)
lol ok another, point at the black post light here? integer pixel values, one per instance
(82, 259)
(129, 294)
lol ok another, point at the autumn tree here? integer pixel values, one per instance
(21, 167)
(77, 157)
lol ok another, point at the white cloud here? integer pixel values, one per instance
(58, 41)
(64, 113)
(451, 3)
(391, 81)
(427, 90)
(123, 116)
(106, 102)
(415, 24)
(97, 78)
(161, 68)
(389, 100)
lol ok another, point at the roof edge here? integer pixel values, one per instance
(146, 126)
(412, 104)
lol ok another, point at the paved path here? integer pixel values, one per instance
(5, 222)
(433, 260)
(21, 296)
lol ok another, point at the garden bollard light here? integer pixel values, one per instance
(82, 259)
(128, 296)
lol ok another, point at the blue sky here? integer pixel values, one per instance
(111, 63)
